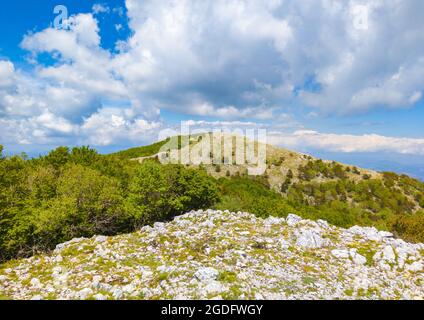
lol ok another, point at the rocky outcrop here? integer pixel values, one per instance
(224, 255)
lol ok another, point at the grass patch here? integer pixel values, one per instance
(227, 276)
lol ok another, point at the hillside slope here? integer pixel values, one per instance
(279, 161)
(223, 255)
(77, 192)
(314, 188)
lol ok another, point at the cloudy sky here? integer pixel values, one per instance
(334, 78)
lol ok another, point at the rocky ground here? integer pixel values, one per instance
(223, 255)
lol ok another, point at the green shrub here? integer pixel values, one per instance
(159, 192)
(79, 193)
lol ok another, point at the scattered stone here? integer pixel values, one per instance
(212, 254)
(385, 234)
(416, 266)
(387, 254)
(357, 258)
(35, 282)
(293, 219)
(100, 296)
(206, 274)
(309, 239)
(284, 244)
(270, 221)
(84, 293)
(342, 254)
(214, 287)
(100, 239)
(369, 233)
(323, 224)
(117, 293)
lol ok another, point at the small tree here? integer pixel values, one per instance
(290, 174)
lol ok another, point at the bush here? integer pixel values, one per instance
(248, 194)
(79, 193)
(160, 192)
(410, 227)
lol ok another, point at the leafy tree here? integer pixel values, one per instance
(160, 192)
(58, 157)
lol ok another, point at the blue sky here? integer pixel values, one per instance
(343, 80)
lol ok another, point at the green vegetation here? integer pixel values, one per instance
(80, 193)
(251, 195)
(389, 203)
(144, 151)
(392, 203)
(318, 168)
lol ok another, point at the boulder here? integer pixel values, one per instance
(340, 253)
(206, 274)
(369, 233)
(272, 221)
(293, 219)
(100, 239)
(309, 239)
(84, 293)
(35, 282)
(416, 266)
(357, 258)
(388, 254)
(100, 296)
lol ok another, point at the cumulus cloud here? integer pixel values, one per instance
(237, 53)
(7, 74)
(65, 103)
(233, 59)
(365, 66)
(109, 125)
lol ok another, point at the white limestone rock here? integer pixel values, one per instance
(206, 274)
(311, 239)
(340, 253)
(416, 266)
(293, 219)
(265, 258)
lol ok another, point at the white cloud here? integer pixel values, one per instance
(210, 126)
(45, 128)
(230, 112)
(222, 51)
(110, 125)
(100, 8)
(306, 139)
(7, 74)
(234, 60)
(50, 121)
(358, 54)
